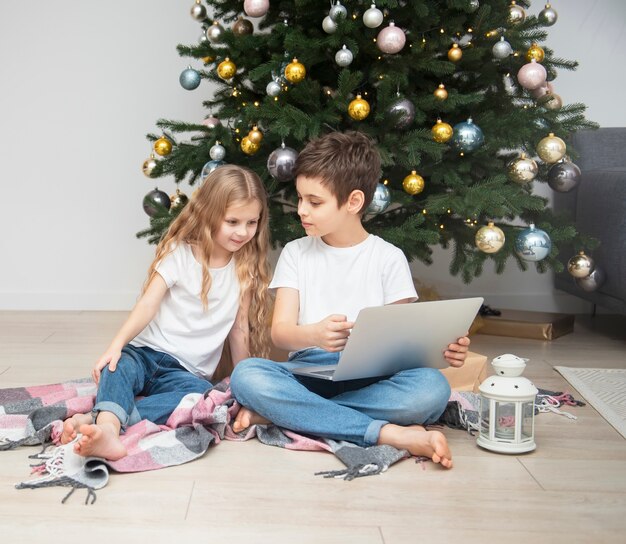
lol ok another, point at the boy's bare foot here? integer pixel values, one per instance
(71, 426)
(100, 440)
(246, 418)
(417, 441)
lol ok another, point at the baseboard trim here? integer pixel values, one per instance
(68, 301)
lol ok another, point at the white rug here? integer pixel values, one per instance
(604, 389)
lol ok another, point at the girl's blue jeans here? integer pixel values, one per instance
(156, 377)
(353, 410)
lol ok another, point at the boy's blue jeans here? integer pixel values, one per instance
(353, 410)
(156, 376)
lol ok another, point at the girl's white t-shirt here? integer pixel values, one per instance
(343, 280)
(182, 327)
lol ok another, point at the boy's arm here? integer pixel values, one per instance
(329, 334)
(143, 312)
(239, 335)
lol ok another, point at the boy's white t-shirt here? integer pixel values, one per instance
(333, 280)
(181, 327)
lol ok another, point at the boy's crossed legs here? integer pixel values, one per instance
(366, 412)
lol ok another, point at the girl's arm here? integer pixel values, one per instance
(330, 334)
(239, 335)
(144, 311)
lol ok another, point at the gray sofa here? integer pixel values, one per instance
(598, 208)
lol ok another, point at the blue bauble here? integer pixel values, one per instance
(533, 244)
(209, 167)
(189, 79)
(467, 136)
(381, 200)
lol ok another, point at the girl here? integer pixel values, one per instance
(207, 283)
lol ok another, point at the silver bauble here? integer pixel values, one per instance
(391, 39)
(273, 88)
(403, 111)
(329, 25)
(209, 167)
(198, 11)
(502, 49)
(550, 101)
(593, 281)
(563, 176)
(381, 200)
(517, 14)
(189, 79)
(548, 16)
(154, 201)
(472, 6)
(256, 8)
(212, 122)
(344, 57)
(533, 244)
(281, 163)
(215, 32)
(373, 17)
(338, 11)
(202, 38)
(217, 152)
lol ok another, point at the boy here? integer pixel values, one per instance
(321, 282)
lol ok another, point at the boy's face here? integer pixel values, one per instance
(318, 209)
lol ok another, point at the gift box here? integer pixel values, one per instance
(469, 376)
(524, 324)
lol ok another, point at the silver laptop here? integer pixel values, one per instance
(387, 339)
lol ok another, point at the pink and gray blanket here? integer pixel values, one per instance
(34, 416)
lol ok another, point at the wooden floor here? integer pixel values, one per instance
(571, 489)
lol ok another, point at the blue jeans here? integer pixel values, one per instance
(156, 376)
(353, 410)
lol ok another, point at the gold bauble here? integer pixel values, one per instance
(255, 135)
(208, 60)
(522, 170)
(551, 149)
(455, 53)
(550, 101)
(413, 183)
(178, 200)
(535, 52)
(226, 69)
(442, 132)
(149, 165)
(580, 266)
(489, 239)
(440, 92)
(359, 108)
(295, 71)
(248, 147)
(163, 146)
(516, 14)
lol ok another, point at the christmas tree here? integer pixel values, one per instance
(457, 94)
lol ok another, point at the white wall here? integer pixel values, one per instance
(83, 82)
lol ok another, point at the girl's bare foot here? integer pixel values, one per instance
(71, 426)
(246, 418)
(417, 441)
(100, 440)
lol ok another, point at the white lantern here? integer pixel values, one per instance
(507, 408)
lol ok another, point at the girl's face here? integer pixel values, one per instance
(237, 228)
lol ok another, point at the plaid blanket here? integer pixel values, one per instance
(34, 416)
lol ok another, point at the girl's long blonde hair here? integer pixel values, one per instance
(227, 186)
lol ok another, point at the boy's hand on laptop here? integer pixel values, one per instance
(332, 333)
(456, 353)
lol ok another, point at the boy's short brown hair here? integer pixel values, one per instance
(344, 161)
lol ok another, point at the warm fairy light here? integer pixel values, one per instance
(275, 99)
(379, 58)
(236, 131)
(441, 226)
(256, 104)
(385, 182)
(441, 30)
(470, 30)
(461, 154)
(374, 40)
(424, 211)
(449, 210)
(244, 104)
(381, 76)
(516, 54)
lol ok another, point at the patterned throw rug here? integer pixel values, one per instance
(604, 389)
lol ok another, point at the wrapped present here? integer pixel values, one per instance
(525, 324)
(470, 375)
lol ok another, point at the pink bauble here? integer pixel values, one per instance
(544, 89)
(211, 122)
(391, 39)
(256, 8)
(532, 75)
